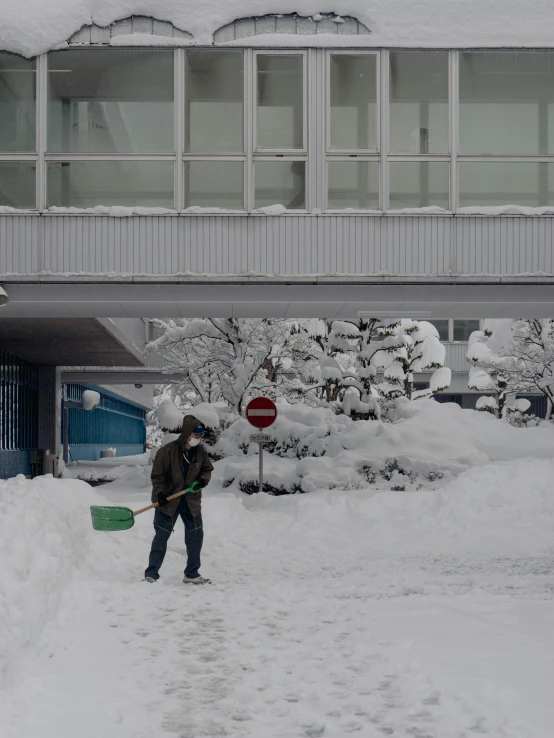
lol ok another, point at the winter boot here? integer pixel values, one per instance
(149, 579)
(197, 580)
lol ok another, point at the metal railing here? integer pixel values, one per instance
(18, 404)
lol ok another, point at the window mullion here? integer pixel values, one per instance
(179, 123)
(249, 118)
(383, 104)
(454, 111)
(41, 124)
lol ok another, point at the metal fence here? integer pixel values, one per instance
(18, 404)
(114, 422)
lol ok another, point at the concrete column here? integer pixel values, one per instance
(49, 416)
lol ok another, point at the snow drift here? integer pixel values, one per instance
(312, 448)
(45, 533)
(427, 23)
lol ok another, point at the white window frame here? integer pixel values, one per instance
(349, 158)
(353, 152)
(484, 158)
(465, 340)
(389, 157)
(273, 151)
(253, 153)
(31, 156)
(183, 156)
(46, 157)
(374, 154)
(281, 158)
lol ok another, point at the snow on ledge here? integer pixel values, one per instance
(31, 27)
(114, 211)
(506, 210)
(120, 211)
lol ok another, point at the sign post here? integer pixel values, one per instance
(261, 412)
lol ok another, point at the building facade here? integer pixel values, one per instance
(285, 151)
(399, 159)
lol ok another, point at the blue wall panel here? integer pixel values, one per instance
(115, 423)
(13, 463)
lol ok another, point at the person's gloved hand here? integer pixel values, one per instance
(200, 482)
(162, 499)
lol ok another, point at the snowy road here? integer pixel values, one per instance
(426, 615)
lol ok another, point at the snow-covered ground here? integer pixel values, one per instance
(374, 613)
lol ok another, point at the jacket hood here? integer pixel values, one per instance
(189, 424)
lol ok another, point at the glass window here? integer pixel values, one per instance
(214, 91)
(84, 184)
(442, 327)
(353, 101)
(17, 103)
(528, 184)
(280, 183)
(110, 100)
(507, 102)
(353, 184)
(419, 184)
(280, 101)
(464, 328)
(154, 331)
(18, 184)
(419, 102)
(214, 184)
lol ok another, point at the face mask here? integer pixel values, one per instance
(194, 441)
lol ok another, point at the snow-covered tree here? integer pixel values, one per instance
(343, 371)
(359, 339)
(220, 359)
(409, 347)
(512, 357)
(486, 374)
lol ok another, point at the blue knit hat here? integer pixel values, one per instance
(199, 430)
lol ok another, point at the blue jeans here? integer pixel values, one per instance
(194, 536)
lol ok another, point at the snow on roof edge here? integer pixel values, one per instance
(392, 23)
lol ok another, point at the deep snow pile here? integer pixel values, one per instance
(45, 533)
(339, 612)
(131, 470)
(312, 448)
(427, 23)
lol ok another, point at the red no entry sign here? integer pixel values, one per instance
(261, 412)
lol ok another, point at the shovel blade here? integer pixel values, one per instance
(111, 518)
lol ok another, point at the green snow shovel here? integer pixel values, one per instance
(123, 518)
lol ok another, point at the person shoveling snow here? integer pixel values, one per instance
(176, 466)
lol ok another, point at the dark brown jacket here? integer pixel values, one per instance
(167, 472)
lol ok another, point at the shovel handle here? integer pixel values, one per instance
(157, 504)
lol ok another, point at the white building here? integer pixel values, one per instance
(268, 159)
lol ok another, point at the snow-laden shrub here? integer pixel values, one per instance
(428, 443)
(298, 432)
(410, 347)
(487, 404)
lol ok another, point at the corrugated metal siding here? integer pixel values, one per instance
(456, 357)
(295, 245)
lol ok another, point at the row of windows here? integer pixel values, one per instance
(220, 184)
(456, 330)
(229, 129)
